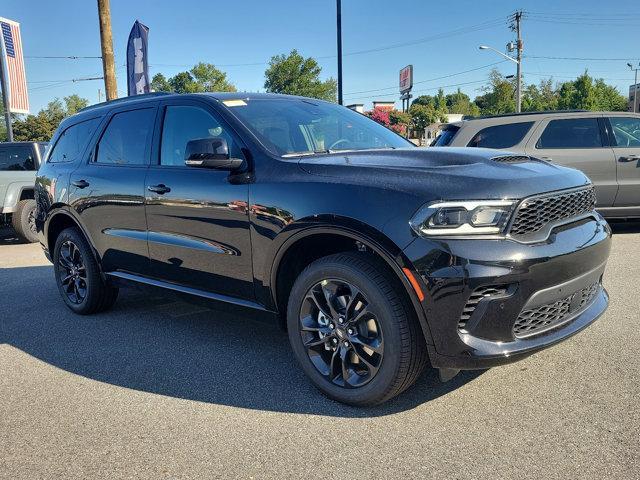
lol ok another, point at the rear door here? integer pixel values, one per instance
(581, 143)
(197, 217)
(107, 190)
(625, 135)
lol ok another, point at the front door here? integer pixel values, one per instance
(626, 139)
(581, 143)
(198, 225)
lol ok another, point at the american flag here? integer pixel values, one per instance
(12, 59)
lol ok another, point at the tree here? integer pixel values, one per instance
(295, 75)
(538, 98)
(498, 96)
(460, 103)
(399, 121)
(40, 127)
(585, 93)
(203, 77)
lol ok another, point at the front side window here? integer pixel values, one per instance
(304, 126)
(501, 136)
(626, 131)
(185, 123)
(72, 141)
(17, 158)
(571, 133)
(125, 140)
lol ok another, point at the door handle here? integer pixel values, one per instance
(80, 183)
(159, 189)
(629, 158)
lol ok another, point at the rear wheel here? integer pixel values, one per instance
(78, 276)
(352, 330)
(23, 220)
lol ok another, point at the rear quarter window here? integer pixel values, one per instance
(445, 137)
(73, 141)
(501, 136)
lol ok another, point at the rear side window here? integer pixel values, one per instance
(125, 140)
(571, 133)
(626, 131)
(501, 136)
(17, 158)
(72, 141)
(445, 137)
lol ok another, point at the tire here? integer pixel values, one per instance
(23, 220)
(78, 275)
(382, 354)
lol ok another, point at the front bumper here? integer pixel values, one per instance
(528, 277)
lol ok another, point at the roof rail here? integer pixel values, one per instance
(542, 112)
(125, 100)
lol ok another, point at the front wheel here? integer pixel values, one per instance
(352, 330)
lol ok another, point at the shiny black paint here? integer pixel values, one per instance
(222, 235)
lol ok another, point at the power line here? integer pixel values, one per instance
(589, 59)
(70, 57)
(426, 89)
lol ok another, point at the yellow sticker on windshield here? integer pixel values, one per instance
(234, 103)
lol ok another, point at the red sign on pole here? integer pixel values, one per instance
(406, 79)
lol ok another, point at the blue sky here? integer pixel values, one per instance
(438, 38)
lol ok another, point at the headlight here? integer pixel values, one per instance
(482, 217)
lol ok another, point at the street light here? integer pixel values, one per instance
(635, 86)
(517, 62)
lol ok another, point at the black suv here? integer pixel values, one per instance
(376, 256)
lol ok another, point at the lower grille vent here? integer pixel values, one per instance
(478, 294)
(543, 318)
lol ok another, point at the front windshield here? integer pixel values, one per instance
(290, 127)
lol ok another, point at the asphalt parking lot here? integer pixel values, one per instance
(158, 388)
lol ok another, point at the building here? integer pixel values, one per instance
(358, 107)
(384, 105)
(633, 99)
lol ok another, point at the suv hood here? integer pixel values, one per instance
(445, 173)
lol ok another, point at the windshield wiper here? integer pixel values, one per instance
(306, 153)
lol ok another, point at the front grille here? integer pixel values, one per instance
(534, 213)
(474, 299)
(545, 317)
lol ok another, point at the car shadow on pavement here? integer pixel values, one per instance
(9, 237)
(160, 345)
(624, 227)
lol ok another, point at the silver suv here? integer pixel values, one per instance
(18, 164)
(604, 145)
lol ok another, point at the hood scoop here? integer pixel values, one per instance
(513, 159)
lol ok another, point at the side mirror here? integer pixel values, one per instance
(210, 153)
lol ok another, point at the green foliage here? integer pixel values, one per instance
(203, 77)
(40, 127)
(498, 96)
(422, 116)
(537, 98)
(460, 103)
(295, 75)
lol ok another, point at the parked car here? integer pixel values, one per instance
(376, 256)
(18, 164)
(604, 145)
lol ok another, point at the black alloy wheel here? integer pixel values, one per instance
(72, 273)
(341, 334)
(77, 273)
(353, 330)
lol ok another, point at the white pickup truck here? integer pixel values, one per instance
(19, 162)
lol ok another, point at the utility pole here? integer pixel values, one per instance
(106, 42)
(518, 19)
(339, 33)
(5, 98)
(635, 86)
